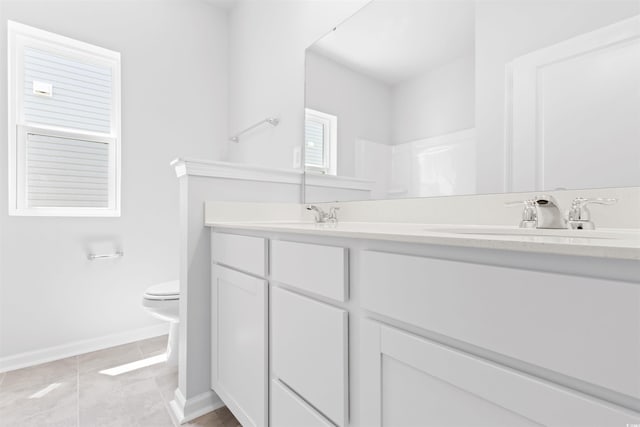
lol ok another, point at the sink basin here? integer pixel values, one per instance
(536, 232)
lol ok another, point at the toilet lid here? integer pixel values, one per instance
(166, 290)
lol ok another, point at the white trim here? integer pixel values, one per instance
(185, 410)
(333, 181)
(523, 127)
(36, 357)
(19, 36)
(330, 141)
(216, 169)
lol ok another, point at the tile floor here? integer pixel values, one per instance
(85, 391)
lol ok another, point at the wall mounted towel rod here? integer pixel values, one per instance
(93, 257)
(273, 121)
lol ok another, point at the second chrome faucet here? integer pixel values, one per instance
(322, 217)
(544, 212)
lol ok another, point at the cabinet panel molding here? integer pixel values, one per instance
(245, 253)
(399, 361)
(320, 269)
(289, 410)
(239, 344)
(568, 324)
(309, 344)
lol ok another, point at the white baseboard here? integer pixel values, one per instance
(49, 354)
(187, 410)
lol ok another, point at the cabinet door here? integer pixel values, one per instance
(239, 344)
(309, 351)
(411, 381)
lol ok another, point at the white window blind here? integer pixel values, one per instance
(64, 172)
(315, 147)
(81, 93)
(64, 118)
(320, 142)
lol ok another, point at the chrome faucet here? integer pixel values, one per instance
(540, 212)
(324, 217)
(548, 212)
(544, 212)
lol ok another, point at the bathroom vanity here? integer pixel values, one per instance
(363, 324)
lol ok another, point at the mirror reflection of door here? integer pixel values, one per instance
(439, 97)
(574, 113)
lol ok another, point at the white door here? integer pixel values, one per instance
(239, 344)
(409, 381)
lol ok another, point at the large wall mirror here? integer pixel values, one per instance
(423, 98)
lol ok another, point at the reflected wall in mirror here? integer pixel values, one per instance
(420, 98)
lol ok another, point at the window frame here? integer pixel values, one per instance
(330, 142)
(19, 37)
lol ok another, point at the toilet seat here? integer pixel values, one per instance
(163, 291)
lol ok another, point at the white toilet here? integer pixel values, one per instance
(163, 302)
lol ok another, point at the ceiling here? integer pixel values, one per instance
(224, 4)
(393, 40)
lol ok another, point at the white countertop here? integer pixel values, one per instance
(602, 243)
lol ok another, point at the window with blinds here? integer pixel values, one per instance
(320, 133)
(64, 105)
(82, 98)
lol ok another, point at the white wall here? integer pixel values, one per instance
(174, 102)
(437, 102)
(201, 183)
(361, 103)
(267, 39)
(374, 163)
(506, 29)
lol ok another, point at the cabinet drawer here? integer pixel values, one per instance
(241, 252)
(315, 268)
(288, 410)
(582, 327)
(309, 351)
(413, 381)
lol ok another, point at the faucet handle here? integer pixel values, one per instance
(579, 210)
(579, 215)
(518, 203)
(529, 213)
(333, 213)
(581, 201)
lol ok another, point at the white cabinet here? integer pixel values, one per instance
(411, 381)
(239, 344)
(580, 336)
(309, 351)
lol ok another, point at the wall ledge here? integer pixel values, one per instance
(333, 181)
(229, 170)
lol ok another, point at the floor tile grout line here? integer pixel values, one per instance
(166, 404)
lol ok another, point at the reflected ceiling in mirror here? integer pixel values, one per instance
(421, 98)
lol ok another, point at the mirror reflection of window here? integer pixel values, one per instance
(321, 145)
